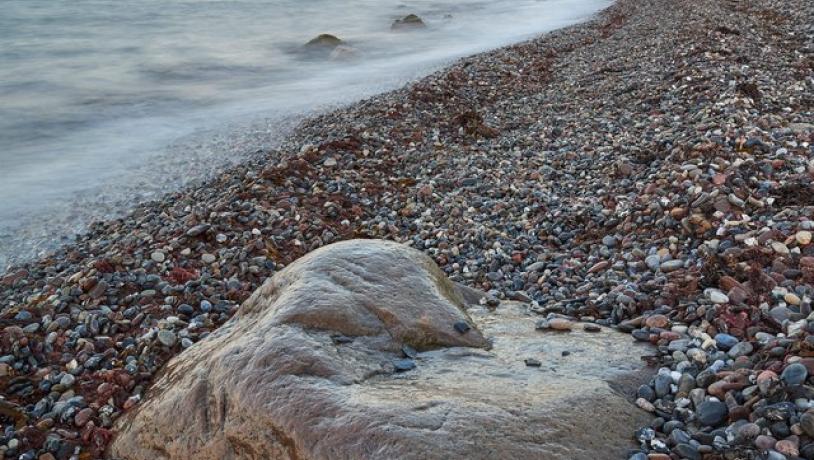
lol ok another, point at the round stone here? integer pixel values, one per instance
(157, 256)
(725, 341)
(83, 417)
(208, 258)
(662, 385)
(711, 413)
(687, 451)
(787, 447)
(780, 313)
(764, 442)
(403, 365)
(748, 431)
(803, 237)
(645, 405)
(780, 248)
(807, 423)
(791, 299)
(740, 349)
(653, 261)
(794, 374)
(657, 321)
(671, 265)
(560, 324)
(716, 296)
(166, 337)
(23, 315)
(646, 392)
(198, 230)
(67, 380)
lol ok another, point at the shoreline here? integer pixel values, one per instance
(645, 169)
(157, 164)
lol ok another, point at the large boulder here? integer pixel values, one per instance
(306, 370)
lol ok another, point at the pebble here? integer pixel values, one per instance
(403, 365)
(462, 327)
(671, 265)
(764, 442)
(725, 341)
(67, 380)
(780, 248)
(657, 321)
(167, 338)
(740, 349)
(531, 362)
(645, 405)
(716, 296)
(653, 262)
(807, 423)
(198, 230)
(157, 256)
(712, 413)
(792, 299)
(588, 327)
(794, 374)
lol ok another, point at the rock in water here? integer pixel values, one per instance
(408, 22)
(271, 383)
(323, 42)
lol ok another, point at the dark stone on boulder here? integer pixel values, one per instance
(403, 365)
(462, 327)
(531, 362)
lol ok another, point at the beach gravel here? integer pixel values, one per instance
(649, 170)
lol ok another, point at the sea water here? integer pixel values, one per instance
(106, 103)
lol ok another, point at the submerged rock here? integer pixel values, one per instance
(323, 42)
(409, 22)
(272, 382)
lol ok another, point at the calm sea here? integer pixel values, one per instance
(105, 103)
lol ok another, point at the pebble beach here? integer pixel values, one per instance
(649, 170)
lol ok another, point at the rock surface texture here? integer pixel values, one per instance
(305, 370)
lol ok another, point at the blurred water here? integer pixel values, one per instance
(104, 103)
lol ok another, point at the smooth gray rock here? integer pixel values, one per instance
(271, 383)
